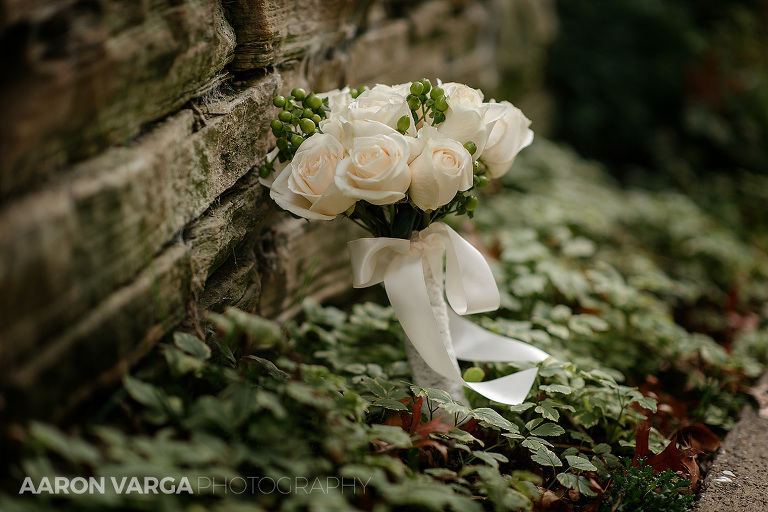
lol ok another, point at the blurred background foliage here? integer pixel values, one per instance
(679, 87)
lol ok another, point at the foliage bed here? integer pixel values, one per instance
(655, 315)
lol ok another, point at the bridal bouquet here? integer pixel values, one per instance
(393, 158)
(396, 160)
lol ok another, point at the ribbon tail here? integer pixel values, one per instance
(407, 292)
(510, 389)
(473, 343)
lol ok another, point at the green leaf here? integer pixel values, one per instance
(435, 394)
(647, 402)
(547, 411)
(576, 482)
(602, 448)
(521, 407)
(192, 345)
(375, 387)
(548, 429)
(580, 463)
(580, 436)
(389, 403)
(493, 418)
(395, 436)
(556, 388)
(490, 458)
(546, 457)
(146, 394)
(534, 443)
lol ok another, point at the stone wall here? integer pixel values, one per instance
(129, 204)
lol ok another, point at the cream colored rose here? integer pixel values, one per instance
(462, 94)
(468, 118)
(338, 100)
(382, 104)
(306, 185)
(377, 167)
(510, 134)
(443, 168)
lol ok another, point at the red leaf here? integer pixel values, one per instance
(699, 437)
(416, 418)
(434, 426)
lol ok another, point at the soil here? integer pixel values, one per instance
(738, 478)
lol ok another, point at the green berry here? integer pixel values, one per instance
(417, 88)
(436, 92)
(403, 124)
(314, 102)
(264, 171)
(474, 374)
(471, 147)
(427, 85)
(282, 144)
(475, 166)
(354, 93)
(285, 116)
(483, 181)
(414, 103)
(279, 101)
(316, 118)
(307, 113)
(299, 93)
(276, 124)
(307, 126)
(471, 203)
(296, 139)
(441, 103)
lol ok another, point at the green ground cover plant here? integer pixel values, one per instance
(654, 312)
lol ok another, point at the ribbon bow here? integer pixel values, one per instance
(469, 287)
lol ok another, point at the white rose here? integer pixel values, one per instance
(382, 104)
(377, 167)
(463, 94)
(401, 89)
(443, 168)
(468, 118)
(338, 100)
(510, 134)
(306, 185)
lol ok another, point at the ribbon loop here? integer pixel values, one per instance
(469, 287)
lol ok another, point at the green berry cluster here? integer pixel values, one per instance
(427, 101)
(299, 119)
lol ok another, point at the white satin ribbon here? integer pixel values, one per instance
(469, 287)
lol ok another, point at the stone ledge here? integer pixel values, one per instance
(84, 75)
(65, 248)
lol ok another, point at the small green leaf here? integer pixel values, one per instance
(389, 403)
(548, 429)
(546, 457)
(547, 411)
(647, 402)
(395, 436)
(556, 388)
(534, 443)
(192, 345)
(580, 436)
(602, 449)
(375, 387)
(490, 458)
(576, 482)
(437, 395)
(145, 394)
(494, 418)
(579, 463)
(521, 407)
